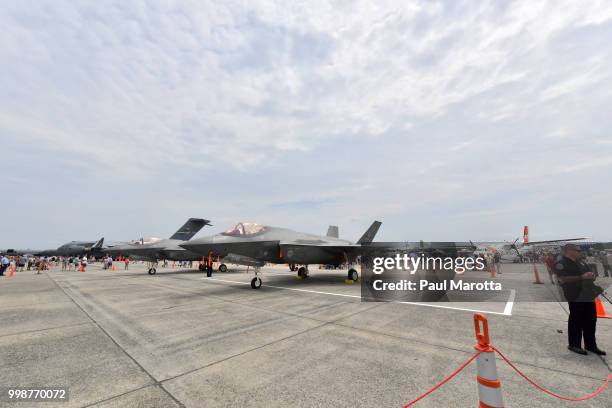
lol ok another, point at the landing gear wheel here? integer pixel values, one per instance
(302, 272)
(202, 267)
(222, 268)
(353, 275)
(256, 283)
(152, 271)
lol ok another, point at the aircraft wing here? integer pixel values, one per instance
(552, 241)
(324, 245)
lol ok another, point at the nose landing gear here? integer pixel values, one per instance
(256, 283)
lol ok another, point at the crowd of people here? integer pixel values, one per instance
(69, 263)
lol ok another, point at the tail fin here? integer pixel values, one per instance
(333, 231)
(525, 234)
(190, 228)
(98, 244)
(369, 235)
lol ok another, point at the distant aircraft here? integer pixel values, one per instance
(72, 248)
(280, 245)
(158, 249)
(514, 252)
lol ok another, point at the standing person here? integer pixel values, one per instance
(84, 262)
(209, 268)
(580, 291)
(497, 262)
(4, 264)
(592, 262)
(64, 264)
(21, 263)
(549, 261)
(126, 263)
(605, 263)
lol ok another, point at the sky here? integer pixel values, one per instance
(445, 120)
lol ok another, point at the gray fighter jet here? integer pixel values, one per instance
(73, 248)
(280, 245)
(165, 248)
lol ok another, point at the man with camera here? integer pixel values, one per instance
(580, 291)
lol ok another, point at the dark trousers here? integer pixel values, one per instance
(581, 323)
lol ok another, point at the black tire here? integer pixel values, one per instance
(150, 271)
(302, 272)
(201, 267)
(222, 268)
(353, 275)
(256, 283)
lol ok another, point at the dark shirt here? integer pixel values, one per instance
(580, 291)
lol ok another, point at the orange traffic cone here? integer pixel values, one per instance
(12, 272)
(537, 275)
(601, 311)
(493, 272)
(81, 269)
(114, 268)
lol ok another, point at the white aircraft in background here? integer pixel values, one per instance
(515, 252)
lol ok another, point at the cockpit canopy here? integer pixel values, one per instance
(244, 229)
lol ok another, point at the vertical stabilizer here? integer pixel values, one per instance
(190, 228)
(369, 235)
(333, 231)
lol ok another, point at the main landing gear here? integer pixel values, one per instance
(302, 272)
(353, 275)
(222, 268)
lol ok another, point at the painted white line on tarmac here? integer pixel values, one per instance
(510, 303)
(506, 311)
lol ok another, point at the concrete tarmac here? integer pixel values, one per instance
(128, 339)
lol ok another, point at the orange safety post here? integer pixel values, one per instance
(489, 385)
